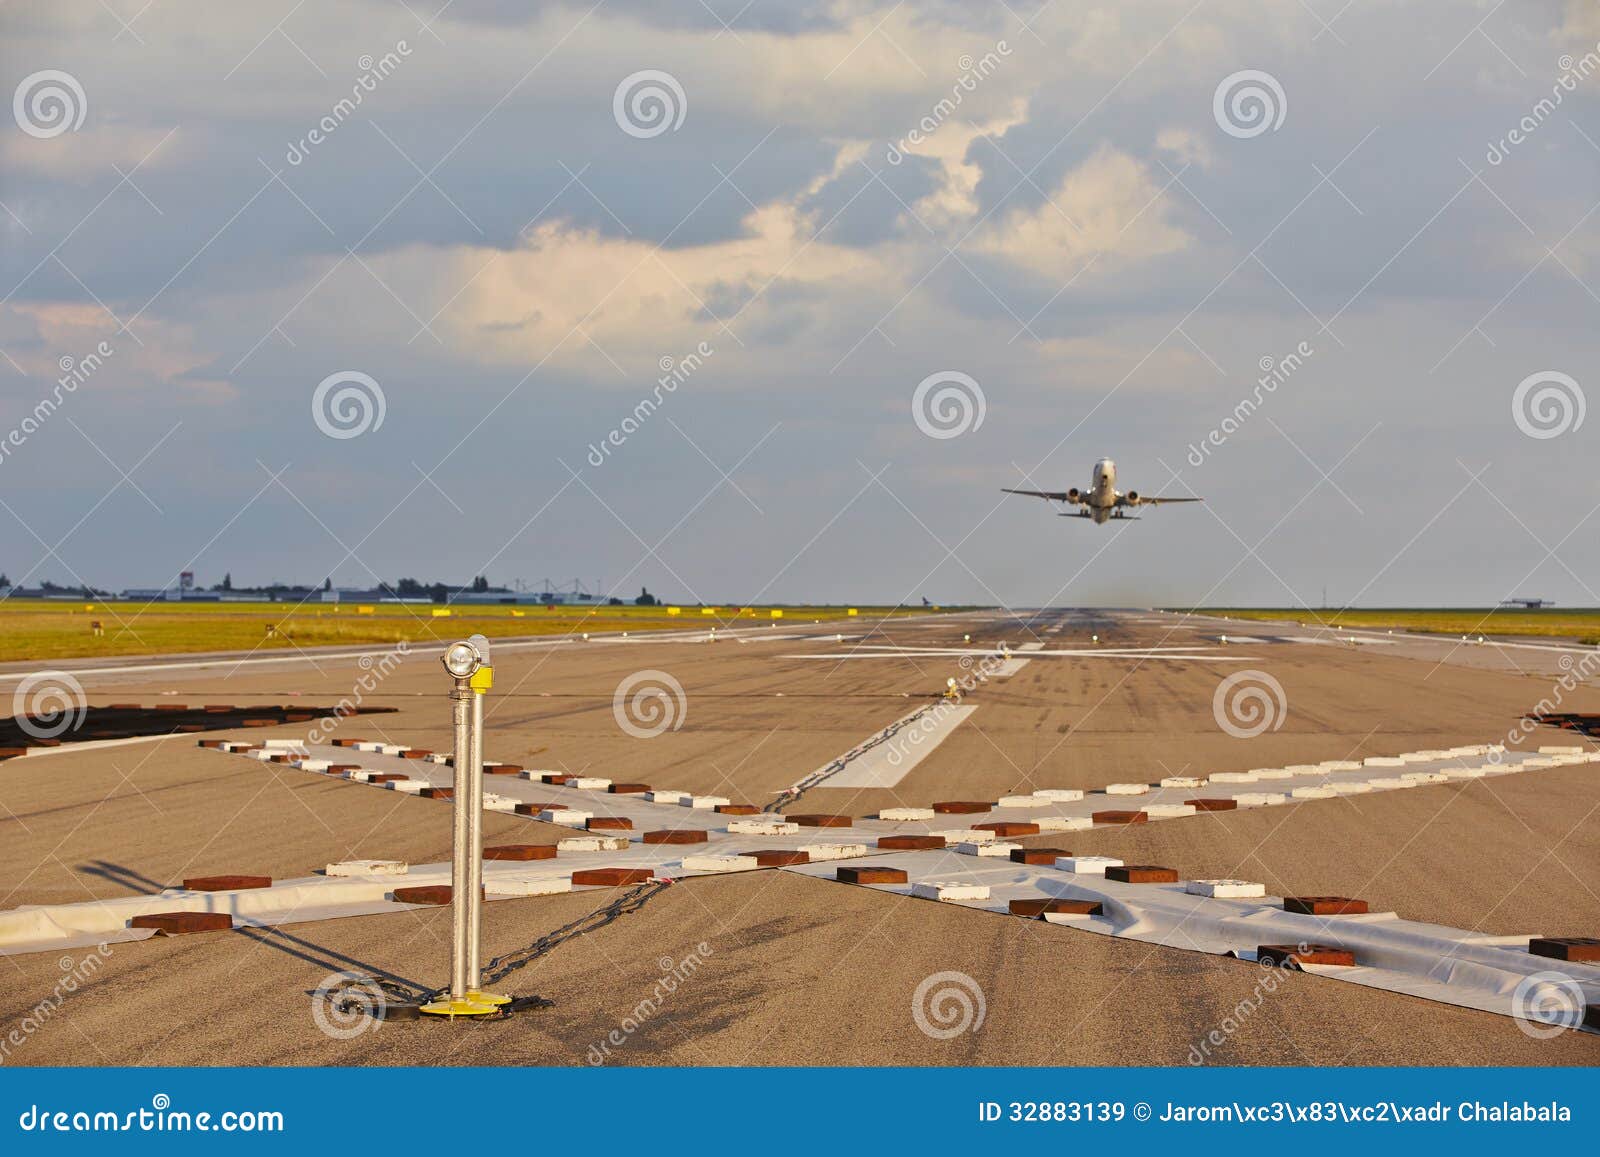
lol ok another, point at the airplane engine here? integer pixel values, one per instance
(1073, 495)
(1133, 497)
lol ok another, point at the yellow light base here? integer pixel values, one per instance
(455, 1008)
(493, 998)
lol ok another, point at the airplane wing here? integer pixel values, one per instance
(1053, 495)
(1143, 501)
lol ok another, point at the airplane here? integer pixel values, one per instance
(1102, 501)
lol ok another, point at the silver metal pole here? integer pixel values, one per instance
(471, 785)
(461, 897)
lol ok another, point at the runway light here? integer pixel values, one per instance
(1094, 638)
(966, 638)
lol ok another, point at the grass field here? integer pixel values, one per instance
(34, 630)
(1582, 625)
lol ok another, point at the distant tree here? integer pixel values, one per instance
(327, 584)
(4, 581)
(613, 602)
(480, 583)
(410, 588)
(645, 599)
(439, 593)
(227, 582)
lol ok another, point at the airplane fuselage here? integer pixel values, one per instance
(1102, 497)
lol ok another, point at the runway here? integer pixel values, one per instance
(807, 971)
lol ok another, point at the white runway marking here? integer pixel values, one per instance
(887, 765)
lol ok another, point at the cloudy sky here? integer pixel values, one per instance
(375, 288)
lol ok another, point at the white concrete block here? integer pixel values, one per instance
(313, 764)
(1340, 765)
(1184, 781)
(1064, 823)
(392, 748)
(362, 775)
(1060, 794)
(592, 844)
(1260, 798)
(499, 803)
(445, 757)
(261, 754)
(1234, 777)
(949, 890)
(589, 783)
(369, 745)
(1569, 760)
(906, 813)
(494, 885)
(369, 868)
(1022, 801)
(1087, 865)
(1225, 889)
(1383, 761)
(965, 835)
(1127, 788)
(231, 746)
(1000, 848)
(1275, 773)
(1389, 783)
(1351, 787)
(408, 786)
(1465, 772)
(1303, 768)
(1424, 776)
(819, 852)
(672, 797)
(753, 827)
(719, 863)
(1421, 756)
(1168, 811)
(569, 817)
(278, 745)
(1538, 762)
(705, 802)
(1313, 793)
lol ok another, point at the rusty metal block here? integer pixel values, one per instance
(1293, 955)
(499, 768)
(225, 883)
(609, 824)
(1324, 905)
(911, 843)
(1005, 829)
(415, 753)
(557, 778)
(1581, 948)
(1037, 908)
(956, 807)
(1141, 874)
(520, 852)
(613, 877)
(628, 788)
(533, 809)
(179, 923)
(1213, 805)
(387, 777)
(871, 875)
(424, 894)
(738, 809)
(821, 821)
(438, 793)
(677, 836)
(1045, 856)
(776, 858)
(1120, 817)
